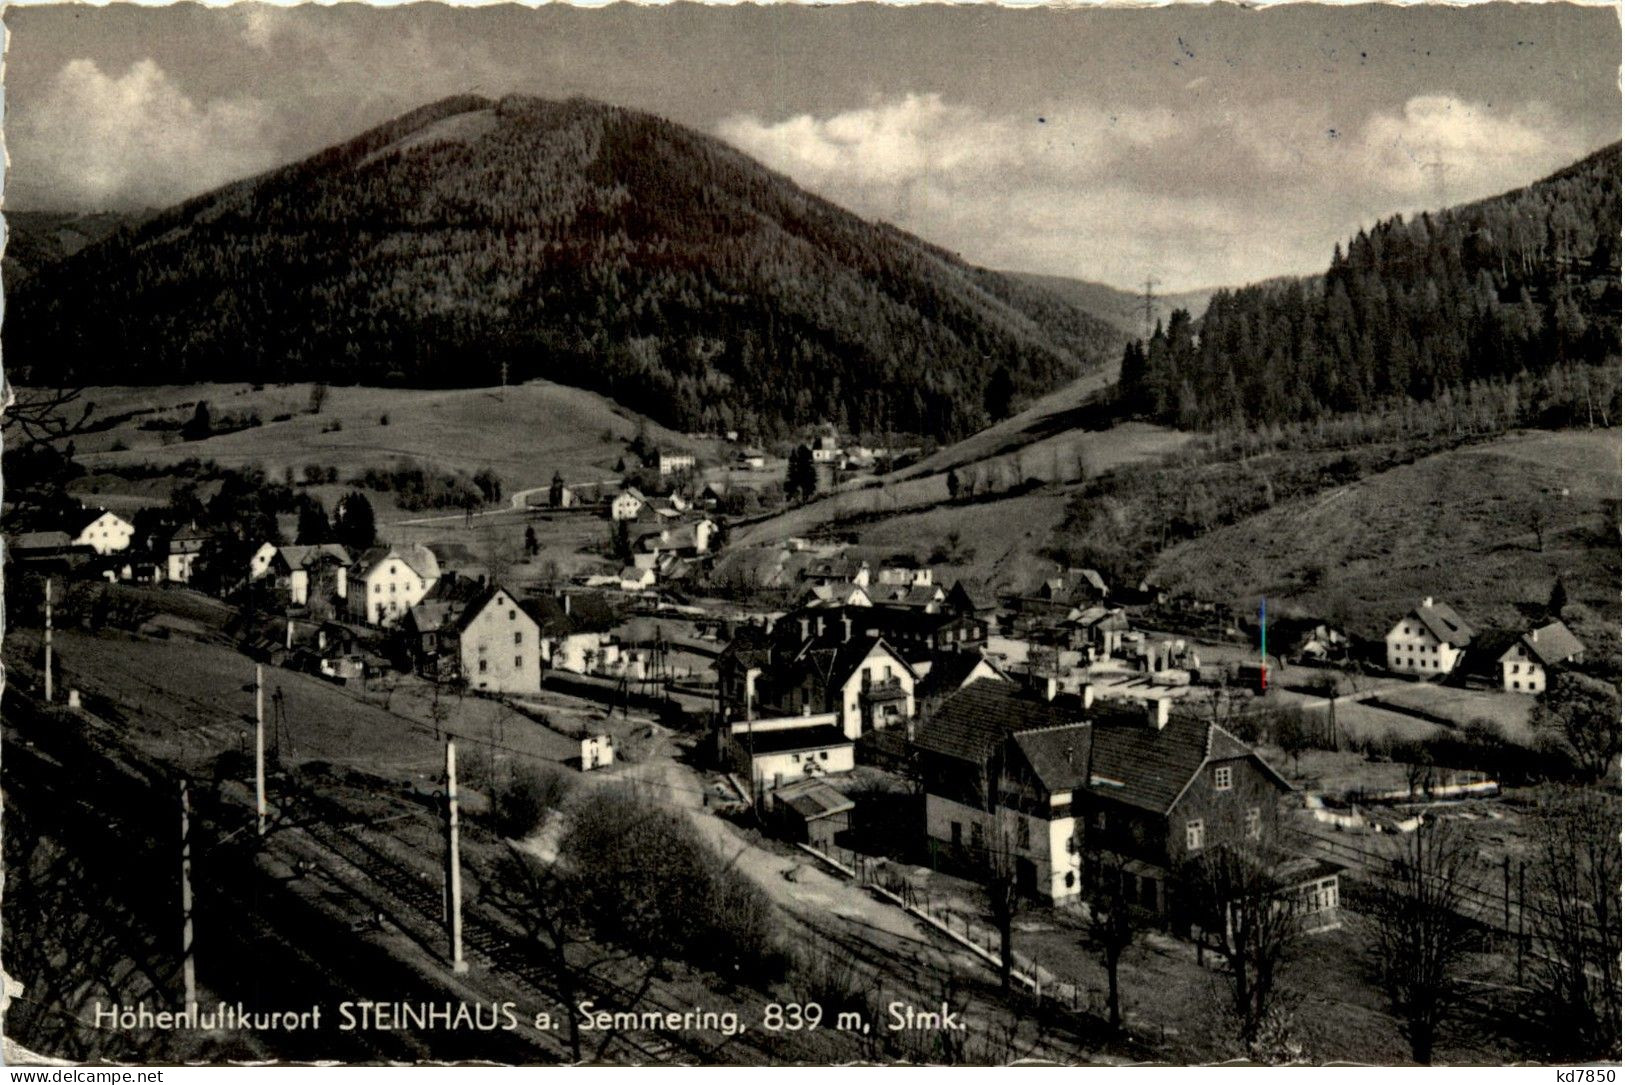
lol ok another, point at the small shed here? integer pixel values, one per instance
(812, 812)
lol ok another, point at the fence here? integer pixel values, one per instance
(883, 881)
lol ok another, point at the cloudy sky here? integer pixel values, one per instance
(1204, 146)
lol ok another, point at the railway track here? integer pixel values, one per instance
(412, 898)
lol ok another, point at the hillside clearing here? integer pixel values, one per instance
(1488, 528)
(524, 433)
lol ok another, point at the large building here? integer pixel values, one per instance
(1429, 641)
(1052, 780)
(388, 581)
(101, 530)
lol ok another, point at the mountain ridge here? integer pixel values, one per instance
(574, 241)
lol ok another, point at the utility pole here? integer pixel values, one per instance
(188, 967)
(1148, 302)
(454, 871)
(259, 745)
(48, 686)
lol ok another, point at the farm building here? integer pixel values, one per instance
(1429, 641)
(812, 812)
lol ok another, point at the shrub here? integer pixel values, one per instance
(655, 887)
(519, 807)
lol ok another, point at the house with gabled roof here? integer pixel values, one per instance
(627, 504)
(1528, 661)
(102, 531)
(387, 581)
(478, 634)
(1429, 641)
(1040, 775)
(303, 572)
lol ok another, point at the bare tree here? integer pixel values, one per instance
(35, 416)
(1575, 915)
(1002, 890)
(1114, 920)
(1584, 712)
(1419, 936)
(1238, 898)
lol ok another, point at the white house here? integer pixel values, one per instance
(673, 462)
(626, 505)
(905, 576)
(390, 580)
(1525, 664)
(184, 547)
(775, 752)
(827, 449)
(102, 531)
(862, 680)
(499, 646)
(1429, 641)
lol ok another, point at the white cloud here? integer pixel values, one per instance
(1440, 144)
(134, 139)
(1203, 196)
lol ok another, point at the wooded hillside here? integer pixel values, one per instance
(587, 244)
(1520, 282)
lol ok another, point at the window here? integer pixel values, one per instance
(956, 833)
(1255, 823)
(1100, 820)
(795, 759)
(823, 755)
(378, 589)
(1222, 778)
(1024, 834)
(518, 637)
(519, 662)
(511, 615)
(482, 666)
(1193, 835)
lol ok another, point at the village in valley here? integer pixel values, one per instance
(546, 580)
(1018, 778)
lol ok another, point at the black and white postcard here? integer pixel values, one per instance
(791, 535)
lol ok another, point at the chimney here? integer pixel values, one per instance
(1051, 685)
(290, 633)
(846, 627)
(750, 693)
(1087, 691)
(564, 598)
(1157, 713)
(1428, 601)
(1534, 635)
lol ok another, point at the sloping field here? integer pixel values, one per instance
(524, 433)
(1487, 528)
(1056, 453)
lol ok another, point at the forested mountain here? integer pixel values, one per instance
(588, 244)
(37, 239)
(1519, 282)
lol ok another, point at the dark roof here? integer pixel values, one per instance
(971, 723)
(548, 613)
(1059, 756)
(949, 671)
(1444, 623)
(1115, 752)
(813, 799)
(1552, 643)
(834, 664)
(974, 594)
(822, 737)
(41, 540)
(478, 604)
